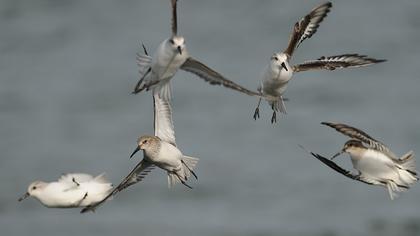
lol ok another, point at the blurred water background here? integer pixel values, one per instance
(67, 69)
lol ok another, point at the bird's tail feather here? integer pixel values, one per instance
(393, 189)
(186, 171)
(189, 165)
(172, 179)
(278, 105)
(408, 162)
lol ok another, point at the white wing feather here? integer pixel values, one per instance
(164, 127)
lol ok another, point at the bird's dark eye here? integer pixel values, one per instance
(34, 187)
(171, 41)
(145, 141)
(276, 58)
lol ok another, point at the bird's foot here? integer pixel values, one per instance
(274, 117)
(257, 113)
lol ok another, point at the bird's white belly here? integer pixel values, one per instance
(169, 157)
(167, 69)
(376, 164)
(274, 88)
(275, 84)
(166, 62)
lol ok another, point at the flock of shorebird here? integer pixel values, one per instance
(374, 162)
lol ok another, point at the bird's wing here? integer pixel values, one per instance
(361, 136)
(174, 18)
(344, 172)
(163, 125)
(337, 62)
(193, 66)
(78, 177)
(307, 27)
(136, 175)
(144, 61)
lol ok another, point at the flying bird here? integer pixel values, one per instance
(159, 150)
(375, 163)
(171, 55)
(70, 191)
(277, 74)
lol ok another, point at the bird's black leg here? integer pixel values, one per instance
(74, 181)
(192, 172)
(81, 200)
(257, 110)
(182, 181)
(274, 117)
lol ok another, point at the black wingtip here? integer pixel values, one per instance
(327, 123)
(380, 60)
(144, 49)
(84, 210)
(328, 4)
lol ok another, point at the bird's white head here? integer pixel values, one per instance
(280, 60)
(147, 143)
(177, 44)
(34, 189)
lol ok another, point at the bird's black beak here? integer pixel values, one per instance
(337, 154)
(24, 197)
(284, 66)
(179, 50)
(136, 150)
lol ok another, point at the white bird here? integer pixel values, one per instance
(159, 150)
(277, 74)
(70, 191)
(171, 55)
(376, 163)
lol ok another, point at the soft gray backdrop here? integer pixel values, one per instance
(67, 69)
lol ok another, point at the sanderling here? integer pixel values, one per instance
(159, 150)
(277, 74)
(376, 163)
(71, 190)
(156, 72)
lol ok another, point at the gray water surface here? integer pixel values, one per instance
(67, 69)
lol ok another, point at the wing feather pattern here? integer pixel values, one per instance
(361, 136)
(307, 27)
(193, 66)
(337, 62)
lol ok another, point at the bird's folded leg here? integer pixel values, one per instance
(74, 181)
(81, 200)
